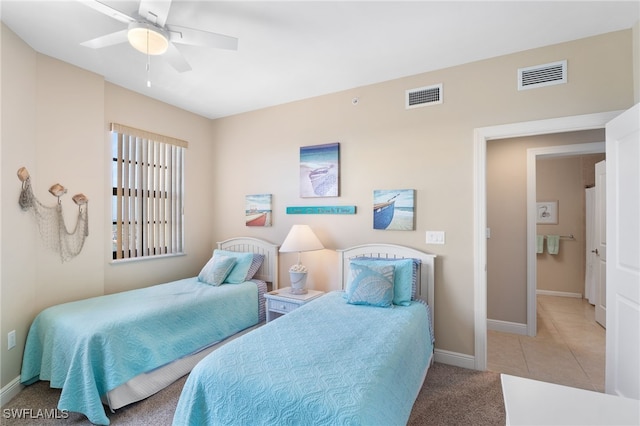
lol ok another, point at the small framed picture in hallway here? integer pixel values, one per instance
(547, 212)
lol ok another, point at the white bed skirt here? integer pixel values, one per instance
(147, 384)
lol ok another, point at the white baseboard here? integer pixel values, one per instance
(10, 391)
(454, 358)
(558, 293)
(507, 327)
(518, 328)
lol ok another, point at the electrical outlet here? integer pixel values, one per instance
(435, 237)
(11, 339)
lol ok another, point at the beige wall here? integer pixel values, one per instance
(55, 116)
(507, 219)
(385, 146)
(54, 122)
(50, 112)
(18, 240)
(564, 179)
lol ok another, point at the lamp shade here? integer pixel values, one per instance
(301, 238)
(147, 38)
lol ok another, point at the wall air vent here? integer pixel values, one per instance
(542, 75)
(423, 96)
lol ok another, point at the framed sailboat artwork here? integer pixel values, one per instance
(393, 210)
(258, 210)
(320, 170)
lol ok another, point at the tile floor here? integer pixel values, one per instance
(568, 350)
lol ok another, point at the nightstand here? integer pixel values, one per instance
(281, 301)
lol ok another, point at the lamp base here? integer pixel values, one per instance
(298, 282)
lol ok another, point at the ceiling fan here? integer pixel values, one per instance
(149, 32)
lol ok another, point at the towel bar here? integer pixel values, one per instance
(569, 237)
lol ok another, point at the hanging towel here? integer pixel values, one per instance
(553, 244)
(539, 243)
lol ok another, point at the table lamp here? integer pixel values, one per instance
(300, 238)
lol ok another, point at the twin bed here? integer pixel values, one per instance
(121, 348)
(344, 358)
(357, 356)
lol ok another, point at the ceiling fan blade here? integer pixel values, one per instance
(155, 11)
(106, 40)
(201, 38)
(175, 59)
(108, 10)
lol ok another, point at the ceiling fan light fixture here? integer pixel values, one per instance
(147, 38)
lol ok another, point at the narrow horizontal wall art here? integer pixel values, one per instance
(258, 210)
(322, 210)
(320, 170)
(394, 209)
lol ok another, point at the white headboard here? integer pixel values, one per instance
(426, 273)
(269, 270)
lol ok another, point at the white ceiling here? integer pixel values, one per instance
(291, 50)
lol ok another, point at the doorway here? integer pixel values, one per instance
(566, 346)
(482, 136)
(532, 197)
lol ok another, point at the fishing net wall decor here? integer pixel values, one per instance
(50, 219)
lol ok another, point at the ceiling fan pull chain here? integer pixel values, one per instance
(148, 63)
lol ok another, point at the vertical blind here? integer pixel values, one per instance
(148, 188)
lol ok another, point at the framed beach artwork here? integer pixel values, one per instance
(394, 209)
(258, 210)
(547, 212)
(320, 170)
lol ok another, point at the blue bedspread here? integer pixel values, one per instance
(92, 346)
(326, 363)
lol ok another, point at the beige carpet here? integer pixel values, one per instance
(450, 396)
(457, 396)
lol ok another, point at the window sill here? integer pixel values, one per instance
(145, 258)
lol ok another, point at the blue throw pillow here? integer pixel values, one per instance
(404, 277)
(240, 270)
(216, 269)
(371, 285)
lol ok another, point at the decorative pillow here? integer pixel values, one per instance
(240, 270)
(216, 269)
(404, 282)
(414, 276)
(256, 262)
(371, 285)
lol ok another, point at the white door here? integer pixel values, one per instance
(600, 248)
(590, 244)
(623, 266)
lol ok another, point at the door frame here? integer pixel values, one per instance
(601, 243)
(481, 137)
(532, 156)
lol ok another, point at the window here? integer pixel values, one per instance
(148, 182)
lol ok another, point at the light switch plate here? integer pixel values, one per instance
(11, 339)
(435, 237)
